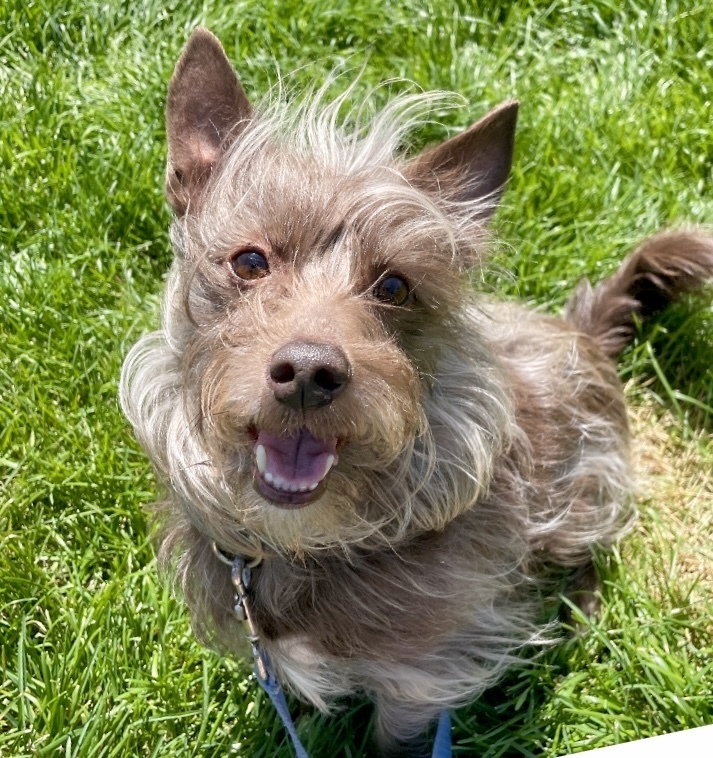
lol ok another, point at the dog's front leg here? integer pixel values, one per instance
(403, 729)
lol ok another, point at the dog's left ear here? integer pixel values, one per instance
(472, 166)
(206, 105)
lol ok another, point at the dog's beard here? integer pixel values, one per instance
(363, 501)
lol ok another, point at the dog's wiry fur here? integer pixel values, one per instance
(482, 447)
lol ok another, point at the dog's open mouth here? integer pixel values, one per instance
(292, 471)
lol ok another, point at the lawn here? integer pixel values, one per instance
(615, 141)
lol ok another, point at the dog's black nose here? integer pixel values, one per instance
(307, 374)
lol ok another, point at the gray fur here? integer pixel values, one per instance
(484, 447)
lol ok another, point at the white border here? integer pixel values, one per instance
(692, 743)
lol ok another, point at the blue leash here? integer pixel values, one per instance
(277, 697)
(265, 673)
(442, 742)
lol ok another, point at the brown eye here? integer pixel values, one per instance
(250, 264)
(393, 290)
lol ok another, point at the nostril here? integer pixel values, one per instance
(329, 380)
(282, 373)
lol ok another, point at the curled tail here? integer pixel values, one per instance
(656, 274)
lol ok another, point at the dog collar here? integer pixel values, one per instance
(252, 549)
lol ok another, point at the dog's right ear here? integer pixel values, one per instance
(205, 106)
(473, 166)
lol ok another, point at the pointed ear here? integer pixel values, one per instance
(205, 104)
(474, 165)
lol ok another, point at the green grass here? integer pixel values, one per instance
(96, 657)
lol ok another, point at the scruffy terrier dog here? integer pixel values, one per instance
(411, 463)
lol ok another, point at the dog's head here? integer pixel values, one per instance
(313, 383)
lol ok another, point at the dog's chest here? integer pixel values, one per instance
(393, 605)
(376, 606)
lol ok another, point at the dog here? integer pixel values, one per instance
(413, 466)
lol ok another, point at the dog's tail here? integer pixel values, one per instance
(656, 274)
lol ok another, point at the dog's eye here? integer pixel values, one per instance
(249, 264)
(393, 290)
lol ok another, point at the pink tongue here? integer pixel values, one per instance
(297, 460)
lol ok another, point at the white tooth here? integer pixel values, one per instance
(304, 488)
(277, 482)
(313, 486)
(261, 458)
(328, 465)
(269, 478)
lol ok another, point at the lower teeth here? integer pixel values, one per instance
(283, 486)
(289, 488)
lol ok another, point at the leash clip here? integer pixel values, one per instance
(240, 575)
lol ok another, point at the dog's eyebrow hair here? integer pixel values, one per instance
(335, 235)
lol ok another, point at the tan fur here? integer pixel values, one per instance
(483, 449)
